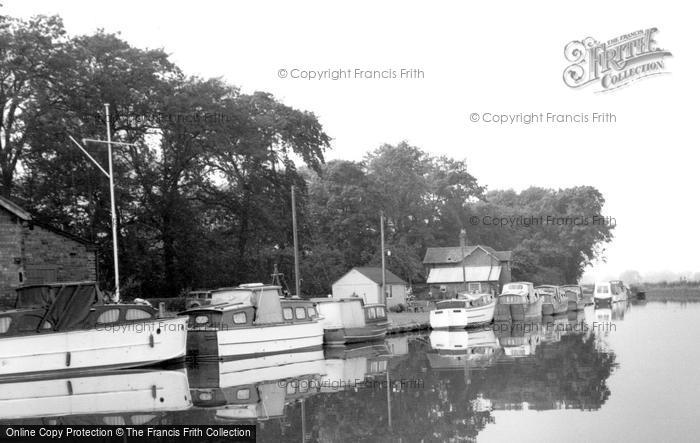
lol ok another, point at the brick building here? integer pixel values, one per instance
(480, 268)
(32, 252)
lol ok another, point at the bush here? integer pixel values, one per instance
(398, 308)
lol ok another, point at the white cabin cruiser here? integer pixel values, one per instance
(464, 311)
(603, 294)
(68, 327)
(251, 321)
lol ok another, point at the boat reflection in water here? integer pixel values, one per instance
(353, 367)
(519, 338)
(437, 386)
(253, 389)
(111, 398)
(455, 349)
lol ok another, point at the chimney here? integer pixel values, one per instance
(463, 238)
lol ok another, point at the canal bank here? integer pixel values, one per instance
(408, 322)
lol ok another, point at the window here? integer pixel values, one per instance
(239, 318)
(28, 323)
(389, 291)
(243, 394)
(371, 314)
(300, 313)
(287, 314)
(380, 312)
(474, 288)
(311, 311)
(137, 314)
(602, 290)
(109, 316)
(5, 323)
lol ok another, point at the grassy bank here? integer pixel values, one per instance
(673, 294)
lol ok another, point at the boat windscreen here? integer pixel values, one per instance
(451, 304)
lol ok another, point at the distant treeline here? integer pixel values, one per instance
(204, 195)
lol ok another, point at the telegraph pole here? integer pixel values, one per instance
(382, 299)
(297, 281)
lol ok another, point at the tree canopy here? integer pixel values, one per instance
(203, 194)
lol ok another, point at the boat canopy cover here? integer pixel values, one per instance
(44, 295)
(33, 297)
(518, 288)
(265, 300)
(68, 304)
(72, 306)
(347, 313)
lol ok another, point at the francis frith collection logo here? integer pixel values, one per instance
(615, 63)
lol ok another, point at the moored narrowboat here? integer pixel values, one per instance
(518, 301)
(553, 301)
(574, 295)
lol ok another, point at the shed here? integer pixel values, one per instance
(35, 253)
(366, 283)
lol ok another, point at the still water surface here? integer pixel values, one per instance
(631, 373)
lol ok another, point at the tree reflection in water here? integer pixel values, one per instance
(454, 401)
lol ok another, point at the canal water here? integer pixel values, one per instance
(630, 373)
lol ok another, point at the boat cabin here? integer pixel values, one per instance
(572, 292)
(549, 292)
(249, 305)
(349, 312)
(60, 307)
(465, 300)
(519, 290)
(602, 290)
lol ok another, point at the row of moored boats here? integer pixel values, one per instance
(72, 327)
(520, 301)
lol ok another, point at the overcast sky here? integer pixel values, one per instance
(500, 57)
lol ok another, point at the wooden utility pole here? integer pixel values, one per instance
(382, 299)
(297, 281)
(462, 245)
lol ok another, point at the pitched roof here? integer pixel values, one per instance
(24, 215)
(15, 209)
(457, 274)
(375, 274)
(453, 254)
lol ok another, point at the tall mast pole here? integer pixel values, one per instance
(117, 294)
(382, 299)
(462, 245)
(296, 243)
